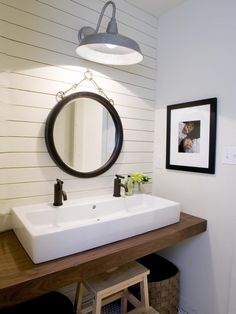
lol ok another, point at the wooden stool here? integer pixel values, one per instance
(149, 310)
(112, 285)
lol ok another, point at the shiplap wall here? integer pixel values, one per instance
(37, 59)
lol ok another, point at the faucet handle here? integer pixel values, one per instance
(59, 182)
(119, 176)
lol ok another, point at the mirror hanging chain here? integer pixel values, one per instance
(88, 76)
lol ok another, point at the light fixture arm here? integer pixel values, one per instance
(112, 26)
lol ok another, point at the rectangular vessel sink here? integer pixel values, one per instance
(48, 232)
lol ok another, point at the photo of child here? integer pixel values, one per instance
(189, 137)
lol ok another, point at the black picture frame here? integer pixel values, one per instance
(191, 136)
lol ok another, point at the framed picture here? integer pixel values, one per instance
(191, 136)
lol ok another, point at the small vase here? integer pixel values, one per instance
(137, 187)
(140, 187)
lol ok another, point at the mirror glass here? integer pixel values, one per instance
(84, 134)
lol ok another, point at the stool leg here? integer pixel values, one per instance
(97, 304)
(78, 298)
(124, 302)
(144, 292)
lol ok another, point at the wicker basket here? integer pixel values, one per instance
(164, 295)
(163, 283)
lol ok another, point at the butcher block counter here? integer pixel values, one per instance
(21, 279)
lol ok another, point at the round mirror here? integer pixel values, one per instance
(84, 134)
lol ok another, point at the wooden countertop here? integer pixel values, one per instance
(20, 279)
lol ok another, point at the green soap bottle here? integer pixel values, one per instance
(130, 186)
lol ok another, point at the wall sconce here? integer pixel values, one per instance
(109, 47)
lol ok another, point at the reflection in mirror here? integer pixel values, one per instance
(84, 134)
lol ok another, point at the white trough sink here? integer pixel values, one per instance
(48, 232)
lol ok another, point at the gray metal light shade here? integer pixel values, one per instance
(110, 47)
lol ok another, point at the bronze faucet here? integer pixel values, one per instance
(118, 185)
(59, 194)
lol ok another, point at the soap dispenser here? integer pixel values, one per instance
(130, 186)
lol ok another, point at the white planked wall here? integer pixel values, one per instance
(37, 59)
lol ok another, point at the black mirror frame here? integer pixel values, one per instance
(50, 140)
